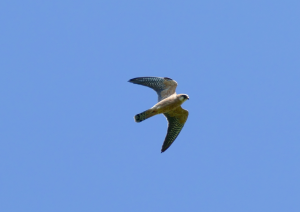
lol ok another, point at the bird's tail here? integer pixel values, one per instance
(144, 115)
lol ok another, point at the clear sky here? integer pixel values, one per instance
(68, 141)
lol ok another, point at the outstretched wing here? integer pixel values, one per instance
(163, 86)
(176, 120)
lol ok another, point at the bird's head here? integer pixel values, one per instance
(183, 97)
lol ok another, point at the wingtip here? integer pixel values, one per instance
(133, 80)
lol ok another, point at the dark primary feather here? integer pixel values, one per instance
(174, 128)
(156, 83)
(163, 86)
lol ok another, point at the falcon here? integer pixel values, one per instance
(169, 104)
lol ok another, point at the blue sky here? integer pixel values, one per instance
(68, 138)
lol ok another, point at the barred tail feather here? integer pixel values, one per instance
(144, 115)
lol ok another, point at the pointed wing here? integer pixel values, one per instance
(176, 119)
(163, 86)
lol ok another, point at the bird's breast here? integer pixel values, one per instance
(167, 105)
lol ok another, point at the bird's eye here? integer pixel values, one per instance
(167, 78)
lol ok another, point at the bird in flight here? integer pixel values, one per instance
(169, 104)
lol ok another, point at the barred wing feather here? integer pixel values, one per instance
(163, 86)
(176, 120)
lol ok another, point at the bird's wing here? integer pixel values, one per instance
(163, 86)
(176, 120)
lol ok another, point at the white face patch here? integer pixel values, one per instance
(181, 98)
